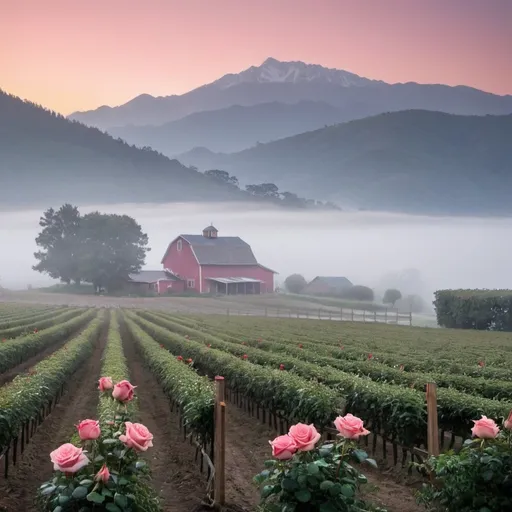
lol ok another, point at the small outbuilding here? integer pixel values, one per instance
(327, 285)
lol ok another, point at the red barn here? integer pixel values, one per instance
(209, 263)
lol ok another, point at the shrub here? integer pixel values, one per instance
(295, 283)
(478, 478)
(358, 292)
(306, 477)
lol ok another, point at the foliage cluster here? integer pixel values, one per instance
(474, 309)
(96, 248)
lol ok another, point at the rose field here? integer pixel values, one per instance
(119, 409)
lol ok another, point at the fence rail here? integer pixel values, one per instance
(343, 314)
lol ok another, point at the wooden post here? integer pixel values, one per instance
(375, 316)
(433, 426)
(318, 313)
(410, 318)
(341, 314)
(397, 317)
(386, 316)
(352, 314)
(364, 315)
(219, 456)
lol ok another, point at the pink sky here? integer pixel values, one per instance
(76, 55)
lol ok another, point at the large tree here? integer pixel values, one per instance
(113, 246)
(295, 283)
(96, 248)
(59, 243)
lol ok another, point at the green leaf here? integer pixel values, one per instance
(488, 475)
(99, 458)
(109, 441)
(321, 463)
(80, 492)
(303, 495)
(326, 485)
(360, 455)
(63, 499)
(347, 491)
(288, 484)
(371, 462)
(58, 509)
(313, 468)
(327, 507)
(111, 507)
(86, 482)
(270, 463)
(335, 490)
(121, 500)
(107, 492)
(48, 490)
(95, 497)
(267, 491)
(140, 464)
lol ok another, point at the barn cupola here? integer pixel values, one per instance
(210, 232)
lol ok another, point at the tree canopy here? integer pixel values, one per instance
(295, 283)
(96, 248)
(391, 295)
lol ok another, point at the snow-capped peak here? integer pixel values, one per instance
(275, 71)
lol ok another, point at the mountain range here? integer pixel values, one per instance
(292, 83)
(411, 161)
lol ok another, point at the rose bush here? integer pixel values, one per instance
(308, 476)
(478, 477)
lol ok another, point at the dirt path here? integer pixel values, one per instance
(175, 475)
(79, 402)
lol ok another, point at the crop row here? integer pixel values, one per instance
(19, 350)
(194, 393)
(27, 318)
(390, 403)
(10, 311)
(295, 397)
(375, 370)
(22, 399)
(39, 323)
(388, 357)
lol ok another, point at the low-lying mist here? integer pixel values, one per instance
(365, 247)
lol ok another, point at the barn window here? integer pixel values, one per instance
(191, 283)
(179, 245)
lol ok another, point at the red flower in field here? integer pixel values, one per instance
(245, 356)
(187, 337)
(35, 331)
(342, 347)
(180, 358)
(401, 367)
(481, 364)
(259, 340)
(244, 343)
(370, 356)
(281, 366)
(189, 360)
(209, 345)
(161, 346)
(300, 345)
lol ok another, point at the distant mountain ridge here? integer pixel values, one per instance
(410, 161)
(293, 82)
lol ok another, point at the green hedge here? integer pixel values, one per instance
(474, 309)
(23, 398)
(28, 317)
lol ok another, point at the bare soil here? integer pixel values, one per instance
(80, 401)
(175, 475)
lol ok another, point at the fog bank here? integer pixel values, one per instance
(363, 246)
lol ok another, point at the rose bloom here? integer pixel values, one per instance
(350, 427)
(485, 428)
(508, 422)
(89, 430)
(102, 475)
(105, 383)
(137, 437)
(283, 447)
(123, 391)
(305, 436)
(68, 458)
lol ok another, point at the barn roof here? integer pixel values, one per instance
(334, 281)
(223, 250)
(151, 276)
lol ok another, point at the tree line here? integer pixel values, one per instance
(101, 249)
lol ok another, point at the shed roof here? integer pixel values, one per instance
(223, 250)
(334, 281)
(151, 276)
(229, 280)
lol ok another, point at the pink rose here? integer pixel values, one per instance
(350, 427)
(68, 458)
(102, 475)
(485, 428)
(305, 436)
(283, 447)
(508, 422)
(105, 383)
(137, 437)
(89, 430)
(123, 391)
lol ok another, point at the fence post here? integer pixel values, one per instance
(433, 426)
(341, 314)
(266, 312)
(410, 318)
(219, 455)
(318, 313)
(278, 313)
(386, 316)
(352, 314)
(397, 317)
(375, 316)
(364, 315)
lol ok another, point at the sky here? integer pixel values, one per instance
(73, 55)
